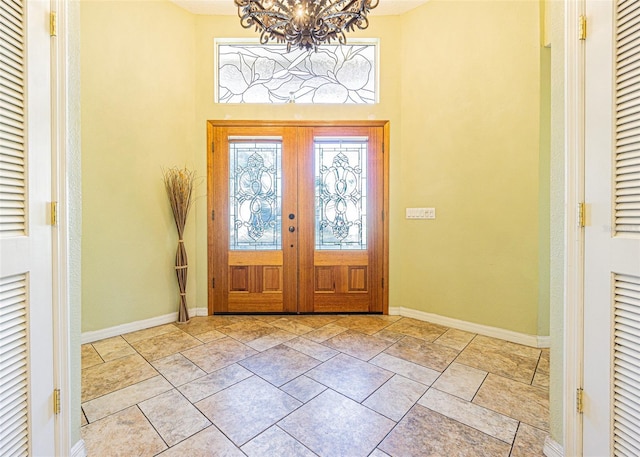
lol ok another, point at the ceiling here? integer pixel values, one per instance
(227, 7)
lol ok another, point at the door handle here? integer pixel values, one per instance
(292, 228)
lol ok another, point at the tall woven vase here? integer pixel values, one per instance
(179, 185)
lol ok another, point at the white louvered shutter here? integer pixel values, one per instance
(14, 438)
(627, 164)
(626, 377)
(14, 407)
(12, 128)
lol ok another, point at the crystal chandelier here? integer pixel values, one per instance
(304, 23)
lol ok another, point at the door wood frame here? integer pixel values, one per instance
(384, 124)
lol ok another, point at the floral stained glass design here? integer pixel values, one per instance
(255, 195)
(270, 74)
(341, 199)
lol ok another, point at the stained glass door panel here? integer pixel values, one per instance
(341, 225)
(253, 267)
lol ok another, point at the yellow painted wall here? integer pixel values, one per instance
(460, 85)
(138, 97)
(470, 145)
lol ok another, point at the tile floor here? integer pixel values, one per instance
(326, 385)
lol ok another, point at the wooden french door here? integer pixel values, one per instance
(297, 217)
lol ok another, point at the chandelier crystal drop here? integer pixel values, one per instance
(304, 23)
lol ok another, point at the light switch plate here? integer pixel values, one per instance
(420, 213)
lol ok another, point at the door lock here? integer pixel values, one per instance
(292, 228)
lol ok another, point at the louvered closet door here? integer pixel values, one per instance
(26, 342)
(612, 237)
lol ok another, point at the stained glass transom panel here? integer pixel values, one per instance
(255, 195)
(253, 73)
(341, 193)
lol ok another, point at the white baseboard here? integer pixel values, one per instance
(552, 448)
(494, 332)
(96, 335)
(78, 450)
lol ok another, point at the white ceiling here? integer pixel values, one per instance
(227, 7)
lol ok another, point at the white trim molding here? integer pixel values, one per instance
(494, 332)
(96, 335)
(574, 110)
(78, 450)
(552, 448)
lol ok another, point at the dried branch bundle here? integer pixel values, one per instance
(179, 186)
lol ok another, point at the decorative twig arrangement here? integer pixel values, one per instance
(179, 185)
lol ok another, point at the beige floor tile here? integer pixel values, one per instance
(529, 442)
(123, 398)
(315, 321)
(246, 409)
(275, 442)
(378, 453)
(210, 335)
(498, 361)
(83, 419)
(207, 442)
(350, 376)
(389, 335)
(160, 346)
(113, 348)
(358, 344)
(214, 382)
(90, 356)
(292, 325)
(173, 416)
(454, 338)
(110, 376)
(203, 324)
(272, 339)
(324, 333)
(218, 354)
(363, 324)
(417, 329)
(149, 333)
(483, 419)
(395, 397)
(311, 348)
(541, 379)
(430, 355)
(303, 388)
(423, 432)
(461, 381)
(520, 401)
(507, 346)
(354, 432)
(279, 364)
(178, 369)
(405, 368)
(249, 330)
(126, 433)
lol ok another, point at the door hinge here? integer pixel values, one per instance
(56, 401)
(213, 215)
(213, 283)
(579, 400)
(54, 213)
(582, 27)
(582, 218)
(53, 24)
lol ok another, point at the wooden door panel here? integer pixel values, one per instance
(297, 276)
